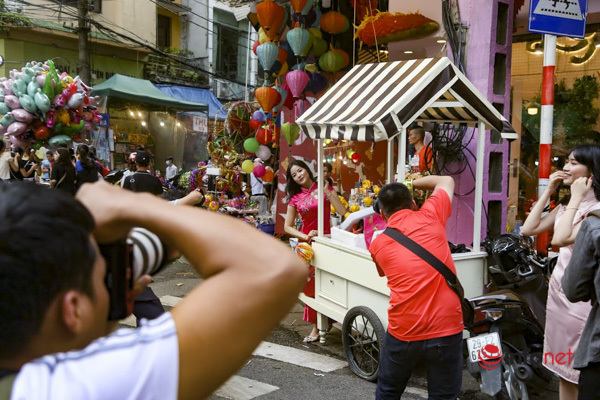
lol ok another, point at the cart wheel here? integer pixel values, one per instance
(362, 337)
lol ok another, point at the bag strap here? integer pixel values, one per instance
(61, 179)
(420, 251)
(6, 384)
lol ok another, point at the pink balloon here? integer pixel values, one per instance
(297, 81)
(16, 142)
(40, 79)
(259, 170)
(3, 130)
(16, 128)
(7, 86)
(22, 115)
(12, 101)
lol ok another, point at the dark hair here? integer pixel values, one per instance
(49, 152)
(589, 155)
(292, 188)
(394, 197)
(328, 166)
(18, 150)
(2, 145)
(30, 151)
(84, 156)
(170, 158)
(36, 265)
(419, 130)
(64, 156)
(92, 152)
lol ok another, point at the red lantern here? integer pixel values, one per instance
(255, 45)
(267, 97)
(270, 16)
(264, 136)
(355, 157)
(254, 124)
(332, 22)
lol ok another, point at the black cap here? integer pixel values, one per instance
(142, 158)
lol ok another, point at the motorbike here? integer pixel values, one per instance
(505, 349)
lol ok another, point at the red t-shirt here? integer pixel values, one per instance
(422, 306)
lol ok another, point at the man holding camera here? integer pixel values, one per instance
(54, 300)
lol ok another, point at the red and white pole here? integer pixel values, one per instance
(546, 125)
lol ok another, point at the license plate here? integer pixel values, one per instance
(486, 347)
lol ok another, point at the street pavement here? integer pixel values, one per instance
(283, 367)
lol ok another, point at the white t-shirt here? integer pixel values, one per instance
(170, 172)
(129, 364)
(4, 167)
(258, 187)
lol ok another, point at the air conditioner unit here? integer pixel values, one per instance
(222, 90)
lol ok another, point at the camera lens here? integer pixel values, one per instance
(149, 253)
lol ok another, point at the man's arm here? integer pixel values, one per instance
(250, 281)
(435, 182)
(578, 280)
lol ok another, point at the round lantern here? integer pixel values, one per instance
(290, 132)
(263, 152)
(298, 38)
(263, 136)
(267, 55)
(268, 176)
(297, 81)
(270, 17)
(248, 166)
(283, 94)
(355, 157)
(251, 145)
(267, 97)
(331, 61)
(254, 124)
(289, 99)
(344, 55)
(255, 46)
(319, 47)
(259, 170)
(333, 22)
(258, 116)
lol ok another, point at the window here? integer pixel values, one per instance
(227, 52)
(163, 31)
(230, 46)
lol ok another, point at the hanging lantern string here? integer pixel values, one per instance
(374, 34)
(354, 35)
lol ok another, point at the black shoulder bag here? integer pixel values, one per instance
(449, 276)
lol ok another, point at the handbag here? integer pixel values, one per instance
(449, 276)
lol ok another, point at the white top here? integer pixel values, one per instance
(4, 167)
(258, 187)
(129, 364)
(170, 172)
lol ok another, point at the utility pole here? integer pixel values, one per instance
(83, 66)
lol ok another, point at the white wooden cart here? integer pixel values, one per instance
(375, 102)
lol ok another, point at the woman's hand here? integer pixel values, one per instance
(580, 188)
(555, 180)
(311, 235)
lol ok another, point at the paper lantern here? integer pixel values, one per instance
(251, 145)
(262, 36)
(333, 22)
(308, 46)
(318, 83)
(267, 97)
(331, 61)
(263, 152)
(319, 47)
(255, 46)
(290, 132)
(282, 55)
(268, 176)
(259, 170)
(355, 157)
(283, 93)
(297, 81)
(344, 55)
(263, 136)
(298, 38)
(298, 5)
(270, 17)
(289, 99)
(248, 166)
(267, 55)
(254, 124)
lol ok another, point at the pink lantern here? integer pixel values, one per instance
(297, 81)
(259, 170)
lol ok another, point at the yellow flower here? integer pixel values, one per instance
(354, 208)
(366, 183)
(368, 201)
(376, 190)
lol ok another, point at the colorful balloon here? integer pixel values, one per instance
(251, 145)
(22, 115)
(248, 166)
(259, 170)
(263, 152)
(268, 176)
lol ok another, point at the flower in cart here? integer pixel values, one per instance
(366, 183)
(368, 201)
(354, 208)
(376, 190)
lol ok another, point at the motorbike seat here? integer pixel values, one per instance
(497, 296)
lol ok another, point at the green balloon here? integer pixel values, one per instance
(59, 140)
(251, 145)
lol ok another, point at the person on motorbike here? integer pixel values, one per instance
(565, 320)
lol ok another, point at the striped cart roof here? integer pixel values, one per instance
(372, 102)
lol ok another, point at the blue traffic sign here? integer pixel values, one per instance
(558, 17)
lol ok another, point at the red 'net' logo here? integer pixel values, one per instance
(490, 356)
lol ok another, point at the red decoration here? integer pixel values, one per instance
(264, 136)
(42, 133)
(355, 157)
(255, 45)
(254, 124)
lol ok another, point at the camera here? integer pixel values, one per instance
(127, 259)
(12, 154)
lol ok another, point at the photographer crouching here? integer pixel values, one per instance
(54, 300)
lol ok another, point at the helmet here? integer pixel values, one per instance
(131, 158)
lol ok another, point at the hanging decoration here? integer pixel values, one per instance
(297, 81)
(267, 97)
(333, 22)
(386, 27)
(267, 54)
(290, 132)
(364, 8)
(270, 16)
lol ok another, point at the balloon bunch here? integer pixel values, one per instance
(40, 106)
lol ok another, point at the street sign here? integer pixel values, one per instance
(558, 17)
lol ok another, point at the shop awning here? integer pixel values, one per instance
(196, 95)
(124, 90)
(373, 102)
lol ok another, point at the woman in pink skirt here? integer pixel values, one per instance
(565, 320)
(302, 198)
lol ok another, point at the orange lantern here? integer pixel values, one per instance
(298, 5)
(268, 176)
(270, 16)
(263, 136)
(332, 22)
(267, 97)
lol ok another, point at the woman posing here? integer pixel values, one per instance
(302, 195)
(86, 168)
(565, 320)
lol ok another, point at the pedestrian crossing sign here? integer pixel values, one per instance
(558, 17)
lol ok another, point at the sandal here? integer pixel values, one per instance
(310, 339)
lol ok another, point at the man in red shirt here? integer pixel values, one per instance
(424, 317)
